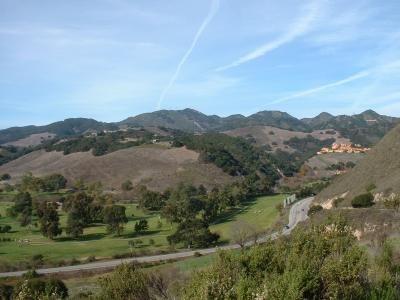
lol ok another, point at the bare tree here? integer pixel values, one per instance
(243, 232)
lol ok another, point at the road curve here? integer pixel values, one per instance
(298, 213)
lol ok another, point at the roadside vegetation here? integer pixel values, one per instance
(318, 262)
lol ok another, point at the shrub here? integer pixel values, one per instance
(337, 201)
(5, 229)
(127, 185)
(363, 200)
(5, 176)
(30, 274)
(314, 209)
(370, 187)
(91, 258)
(56, 287)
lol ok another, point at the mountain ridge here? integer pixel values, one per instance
(364, 128)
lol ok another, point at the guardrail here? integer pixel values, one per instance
(289, 200)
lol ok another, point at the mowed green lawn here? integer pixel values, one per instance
(260, 213)
(28, 241)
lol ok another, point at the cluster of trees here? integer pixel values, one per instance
(82, 207)
(83, 210)
(340, 166)
(193, 209)
(103, 143)
(290, 163)
(46, 212)
(50, 183)
(9, 153)
(311, 189)
(188, 207)
(233, 155)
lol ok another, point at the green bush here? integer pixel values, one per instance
(363, 200)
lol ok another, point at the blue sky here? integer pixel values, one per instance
(111, 59)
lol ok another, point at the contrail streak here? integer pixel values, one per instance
(300, 27)
(207, 20)
(356, 76)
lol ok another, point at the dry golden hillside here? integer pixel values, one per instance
(275, 137)
(381, 167)
(155, 166)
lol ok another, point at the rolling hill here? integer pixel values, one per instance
(380, 167)
(68, 127)
(155, 166)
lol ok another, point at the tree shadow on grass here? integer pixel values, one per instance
(230, 214)
(137, 218)
(139, 235)
(83, 238)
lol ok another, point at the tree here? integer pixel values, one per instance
(141, 226)
(49, 219)
(241, 233)
(75, 224)
(193, 233)
(150, 200)
(127, 186)
(54, 182)
(80, 203)
(22, 201)
(127, 282)
(114, 217)
(23, 208)
(183, 204)
(31, 183)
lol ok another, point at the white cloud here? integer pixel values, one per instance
(299, 28)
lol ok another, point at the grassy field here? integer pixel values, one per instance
(28, 241)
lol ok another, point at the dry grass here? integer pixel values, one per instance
(32, 140)
(263, 136)
(381, 166)
(156, 166)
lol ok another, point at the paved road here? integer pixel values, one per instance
(298, 213)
